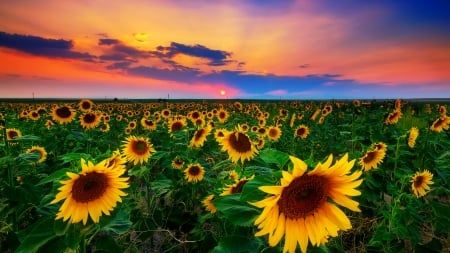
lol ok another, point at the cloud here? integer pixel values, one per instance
(108, 42)
(39, 46)
(279, 92)
(215, 57)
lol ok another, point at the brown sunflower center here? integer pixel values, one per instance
(194, 170)
(300, 131)
(176, 126)
(418, 181)
(273, 132)
(369, 157)
(140, 147)
(86, 105)
(89, 187)
(199, 134)
(303, 196)
(89, 118)
(12, 134)
(63, 112)
(240, 142)
(222, 115)
(239, 186)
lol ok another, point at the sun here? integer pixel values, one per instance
(223, 92)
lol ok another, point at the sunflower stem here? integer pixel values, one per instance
(83, 244)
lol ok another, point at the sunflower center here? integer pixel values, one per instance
(63, 112)
(194, 170)
(89, 187)
(89, 118)
(370, 156)
(86, 105)
(273, 132)
(12, 134)
(303, 196)
(418, 182)
(240, 142)
(176, 126)
(300, 131)
(199, 134)
(140, 147)
(239, 186)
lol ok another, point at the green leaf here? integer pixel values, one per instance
(118, 223)
(107, 244)
(27, 138)
(161, 186)
(441, 218)
(236, 211)
(69, 157)
(138, 171)
(60, 227)
(55, 176)
(250, 191)
(238, 244)
(273, 156)
(38, 236)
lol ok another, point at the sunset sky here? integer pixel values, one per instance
(252, 49)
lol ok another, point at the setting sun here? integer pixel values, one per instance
(222, 92)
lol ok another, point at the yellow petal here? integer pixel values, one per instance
(275, 238)
(299, 166)
(271, 189)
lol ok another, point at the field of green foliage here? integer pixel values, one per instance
(224, 176)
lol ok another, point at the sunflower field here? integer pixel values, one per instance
(224, 176)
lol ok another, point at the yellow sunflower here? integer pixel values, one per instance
(393, 117)
(440, 124)
(176, 124)
(238, 145)
(63, 114)
(12, 133)
(40, 151)
(105, 127)
(273, 133)
(420, 183)
(302, 131)
(300, 208)
(177, 163)
(372, 158)
(148, 124)
(260, 143)
(93, 191)
(222, 115)
(413, 134)
(137, 149)
(199, 137)
(49, 124)
(194, 173)
(208, 203)
(236, 187)
(85, 105)
(89, 120)
(116, 161)
(34, 115)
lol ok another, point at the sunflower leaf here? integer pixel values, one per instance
(55, 176)
(273, 156)
(37, 237)
(118, 223)
(236, 244)
(236, 211)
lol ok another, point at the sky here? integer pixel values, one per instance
(234, 49)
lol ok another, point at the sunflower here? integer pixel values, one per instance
(233, 175)
(420, 183)
(315, 114)
(302, 131)
(137, 149)
(393, 117)
(34, 115)
(12, 133)
(166, 113)
(413, 134)
(49, 124)
(304, 206)
(199, 137)
(93, 191)
(273, 133)
(177, 163)
(238, 145)
(105, 127)
(89, 120)
(208, 203)
(85, 105)
(63, 114)
(236, 187)
(442, 110)
(222, 115)
(194, 173)
(148, 124)
(176, 124)
(292, 120)
(40, 151)
(260, 143)
(440, 124)
(372, 158)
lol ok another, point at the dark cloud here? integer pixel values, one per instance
(181, 74)
(304, 66)
(108, 42)
(215, 57)
(42, 47)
